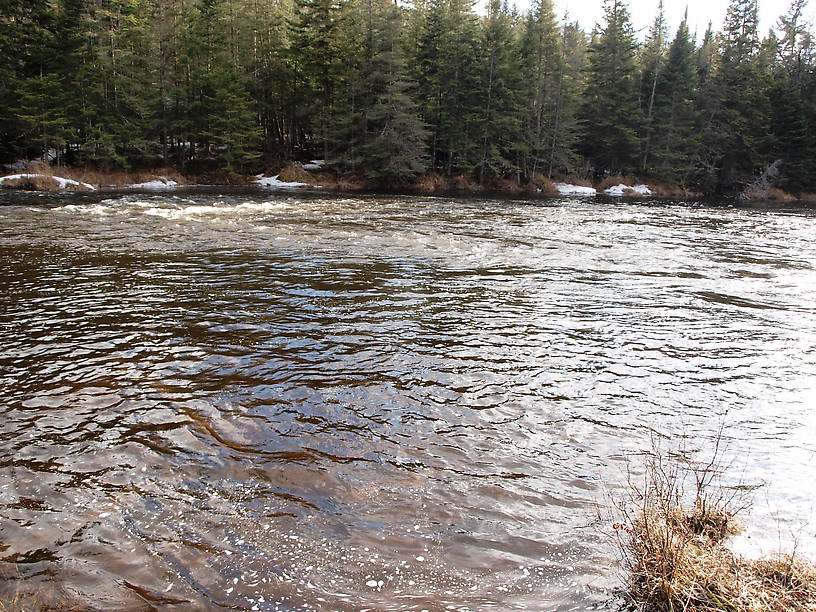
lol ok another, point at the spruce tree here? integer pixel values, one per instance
(28, 50)
(675, 141)
(651, 60)
(566, 125)
(611, 111)
(543, 71)
(789, 96)
(313, 35)
(742, 123)
(447, 69)
(498, 118)
(707, 106)
(378, 130)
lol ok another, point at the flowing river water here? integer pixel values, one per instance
(256, 401)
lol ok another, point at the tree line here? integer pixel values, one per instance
(392, 91)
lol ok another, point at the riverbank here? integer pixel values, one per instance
(39, 176)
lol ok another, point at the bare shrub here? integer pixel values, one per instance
(462, 182)
(431, 182)
(671, 529)
(544, 185)
(572, 179)
(39, 167)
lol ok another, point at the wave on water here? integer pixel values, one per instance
(172, 210)
(385, 403)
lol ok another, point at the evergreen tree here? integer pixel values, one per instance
(543, 73)
(219, 83)
(313, 34)
(789, 95)
(675, 118)
(707, 106)
(611, 111)
(652, 57)
(263, 61)
(742, 123)
(27, 46)
(498, 119)
(448, 75)
(379, 130)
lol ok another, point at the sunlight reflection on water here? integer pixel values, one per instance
(257, 401)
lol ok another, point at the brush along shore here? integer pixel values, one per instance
(40, 176)
(674, 546)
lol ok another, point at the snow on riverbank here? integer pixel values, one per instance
(158, 184)
(64, 183)
(315, 164)
(577, 190)
(274, 183)
(622, 190)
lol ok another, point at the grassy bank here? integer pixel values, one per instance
(40, 176)
(673, 529)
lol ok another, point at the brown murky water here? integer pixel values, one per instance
(260, 402)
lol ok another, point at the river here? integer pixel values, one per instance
(255, 401)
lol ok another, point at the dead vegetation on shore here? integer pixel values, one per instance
(41, 176)
(672, 531)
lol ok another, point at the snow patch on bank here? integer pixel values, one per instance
(158, 184)
(622, 190)
(63, 182)
(274, 183)
(575, 190)
(315, 164)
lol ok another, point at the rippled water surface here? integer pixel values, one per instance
(250, 401)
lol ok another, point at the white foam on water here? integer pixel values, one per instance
(99, 210)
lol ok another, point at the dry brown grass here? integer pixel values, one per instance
(431, 183)
(768, 194)
(673, 191)
(33, 183)
(40, 167)
(462, 182)
(807, 198)
(92, 176)
(777, 195)
(572, 179)
(435, 183)
(295, 174)
(672, 530)
(614, 181)
(505, 185)
(344, 183)
(41, 182)
(120, 178)
(544, 186)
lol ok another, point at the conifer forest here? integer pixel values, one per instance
(393, 91)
